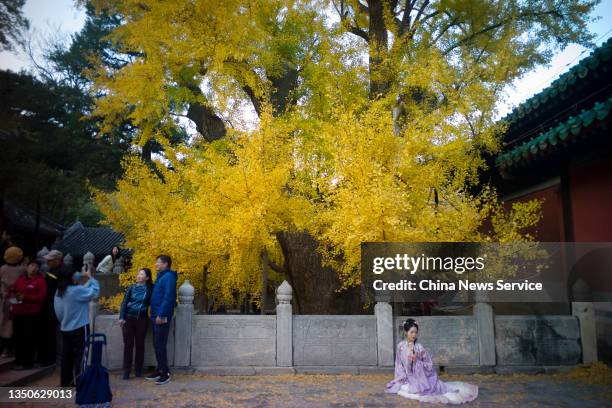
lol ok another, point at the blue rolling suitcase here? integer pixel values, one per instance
(93, 386)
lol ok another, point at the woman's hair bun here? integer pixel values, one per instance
(410, 323)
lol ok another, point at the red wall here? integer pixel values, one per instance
(550, 228)
(591, 198)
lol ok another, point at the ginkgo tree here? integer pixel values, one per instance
(372, 121)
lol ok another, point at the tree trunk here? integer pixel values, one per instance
(283, 86)
(264, 280)
(207, 122)
(379, 43)
(314, 286)
(147, 152)
(203, 295)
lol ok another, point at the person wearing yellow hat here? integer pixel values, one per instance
(9, 272)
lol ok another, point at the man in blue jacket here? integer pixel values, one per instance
(163, 301)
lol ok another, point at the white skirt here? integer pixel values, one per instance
(458, 393)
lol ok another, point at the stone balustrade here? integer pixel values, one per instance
(248, 344)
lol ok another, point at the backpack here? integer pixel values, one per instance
(93, 386)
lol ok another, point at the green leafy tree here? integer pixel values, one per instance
(49, 155)
(12, 23)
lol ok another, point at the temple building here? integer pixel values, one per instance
(558, 148)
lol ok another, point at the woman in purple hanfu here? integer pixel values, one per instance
(416, 378)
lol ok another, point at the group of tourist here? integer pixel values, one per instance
(26, 309)
(35, 304)
(134, 318)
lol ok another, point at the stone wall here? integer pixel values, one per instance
(233, 340)
(109, 325)
(109, 285)
(451, 340)
(537, 340)
(334, 340)
(285, 342)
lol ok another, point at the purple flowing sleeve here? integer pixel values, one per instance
(426, 379)
(401, 374)
(425, 359)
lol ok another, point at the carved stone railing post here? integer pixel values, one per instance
(40, 256)
(118, 266)
(582, 308)
(68, 260)
(94, 308)
(485, 320)
(94, 305)
(183, 325)
(284, 325)
(384, 333)
(88, 259)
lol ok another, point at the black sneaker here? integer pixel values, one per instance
(153, 377)
(163, 379)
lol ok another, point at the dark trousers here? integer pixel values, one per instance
(73, 347)
(134, 332)
(47, 344)
(160, 341)
(26, 331)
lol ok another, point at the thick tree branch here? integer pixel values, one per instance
(208, 124)
(276, 267)
(417, 18)
(404, 24)
(353, 27)
(254, 99)
(496, 25)
(283, 86)
(359, 32)
(470, 37)
(363, 8)
(454, 22)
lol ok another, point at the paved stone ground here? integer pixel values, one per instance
(582, 387)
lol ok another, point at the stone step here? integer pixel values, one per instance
(13, 378)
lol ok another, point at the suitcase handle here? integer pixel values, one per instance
(93, 336)
(87, 350)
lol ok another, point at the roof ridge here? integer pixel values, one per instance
(72, 229)
(575, 73)
(555, 134)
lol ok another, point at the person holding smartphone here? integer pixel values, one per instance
(71, 304)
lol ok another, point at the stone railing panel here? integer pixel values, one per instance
(109, 325)
(233, 340)
(537, 340)
(334, 340)
(451, 340)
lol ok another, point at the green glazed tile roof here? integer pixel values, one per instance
(597, 60)
(562, 133)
